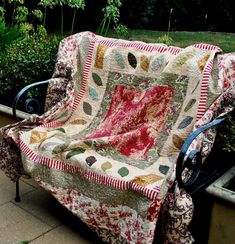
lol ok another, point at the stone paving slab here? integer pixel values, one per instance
(29, 181)
(38, 218)
(16, 224)
(7, 189)
(62, 235)
(42, 205)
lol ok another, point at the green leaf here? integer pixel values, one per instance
(23, 242)
(88, 143)
(61, 129)
(87, 108)
(74, 152)
(97, 79)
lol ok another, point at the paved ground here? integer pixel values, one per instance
(38, 218)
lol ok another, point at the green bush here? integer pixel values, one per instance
(25, 62)
(166, 39)
(121, 31)
(8, 35)
(226, 134)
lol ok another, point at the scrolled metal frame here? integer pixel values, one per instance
(28, 108)
(199, 179)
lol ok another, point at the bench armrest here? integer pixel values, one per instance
(198, 179)
(31, 105)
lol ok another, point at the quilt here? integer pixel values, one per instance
(108, 144)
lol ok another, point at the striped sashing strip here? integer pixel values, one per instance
(204, 93)
(134, 44)
(78, 96)
(205, 77)
(85, 74)
(52, 124)
(141, 46)
(101, 179)
(157, 188)
(207, 47)
(174, 50)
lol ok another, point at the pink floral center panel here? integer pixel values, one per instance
(134, 119)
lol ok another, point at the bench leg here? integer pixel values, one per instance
(17, 198)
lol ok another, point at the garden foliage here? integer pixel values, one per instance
(226, 135)
(27, 61)
(28, 53)
(8, 35)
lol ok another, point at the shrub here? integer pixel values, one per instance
(8, 35)
(226, 134)
(166, 39)
(111, 14)
(25, 62)
(121, 31)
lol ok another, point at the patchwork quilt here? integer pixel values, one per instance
(108, 146)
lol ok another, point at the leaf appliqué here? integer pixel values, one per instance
(144, 63)
(132, 60)
(177, 141)
(78, 122)
(202, 62)
(190, 104)
(119, 60)
(185, 122)
(37, 137)
(87, 108)
(157, 63)
(61, 129)
(144, 180)
(89, 143)
(75, 152)
(93, 94)
(99, 60)
(97, 79)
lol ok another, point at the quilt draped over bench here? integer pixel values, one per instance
(107, 147)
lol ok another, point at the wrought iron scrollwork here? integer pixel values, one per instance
(31, 105)
(189, 169)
